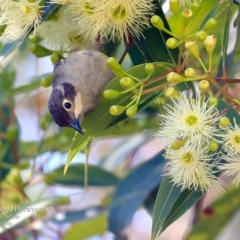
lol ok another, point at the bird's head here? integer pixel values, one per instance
(65, 106)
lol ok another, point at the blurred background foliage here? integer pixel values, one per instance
(120, 178)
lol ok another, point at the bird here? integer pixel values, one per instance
(77, 82)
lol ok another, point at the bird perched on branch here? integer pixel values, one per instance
(77, 82)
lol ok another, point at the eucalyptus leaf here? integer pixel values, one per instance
(76, 176)
(211, 221)
(131, 192)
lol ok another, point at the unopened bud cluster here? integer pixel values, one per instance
(185, 19)
(129, 84)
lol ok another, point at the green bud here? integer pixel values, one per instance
(172, 93)
(119, 73)
(210, 43)
(160, 101)
(193, 48)
(149, 68)
(187, 16)
(172, 43)
(190, 73)
(178, 143)
(111, 94)
(131, 111)
(116, 110)
(11, 133)
(43, 123)
(224, 122)
(212, 22)
(196, 6)
(31, 1)
(213, 145)
(39, 51)
(126, 82)
(63, 201)
(46, 81)
(201, 35)
(213, 101)
(174, 77)
(2, 28)
(174, 6)
(204, 85)
(33, 38)
(55, 57)
(114, 64)
(157, 22)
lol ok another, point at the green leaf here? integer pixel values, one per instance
(8, 150)
(19, 213)
(131, 192)
(226, 34)
(170, 204)
(75, 176)
(100, 118)
(211, 221)
(152, 45)
(87, 229)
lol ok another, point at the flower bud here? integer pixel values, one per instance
(172, 93)
(39, 51)
(187, 16)
(204, 86)
(114, 64)
(193, 48)
(63, 201)
(196, 6)
(213, 101)
(126, 82)
(55, 57)
(178, 143)
(174, 6)
(116, 110)
(172, 43)
(11, 133)
(111, 94)
(224, 122)
(157, 22)
(149, 68)
(213, 145)
(210, 44)
(46, 81)
(34, 38)
(131, 111)
(201, 35)
(119, 73)
(190, 73)
(212, 22)
(174, 77)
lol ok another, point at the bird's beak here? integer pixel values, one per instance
(75, 124)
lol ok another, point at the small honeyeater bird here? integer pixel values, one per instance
(77, 82)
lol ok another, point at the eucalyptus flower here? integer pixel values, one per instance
(62, 32)
(192, 168)
(20, 17)
(232, 167)
(188, 118)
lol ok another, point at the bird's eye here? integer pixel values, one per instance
(67, 105)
